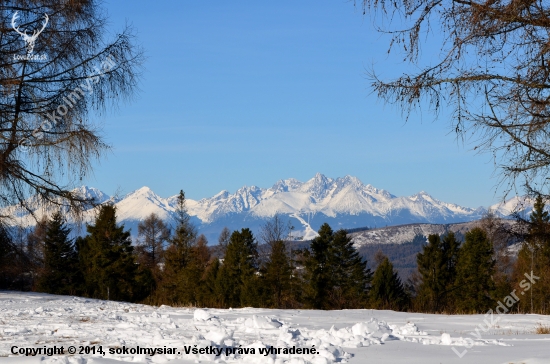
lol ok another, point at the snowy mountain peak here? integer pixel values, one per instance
(143, 191)
(343, 202)
(422, 196)
(318, 186)
(286, 185)
(92, 193)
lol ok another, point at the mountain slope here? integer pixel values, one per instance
(342, 202)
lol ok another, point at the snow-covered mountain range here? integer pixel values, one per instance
(342, 202)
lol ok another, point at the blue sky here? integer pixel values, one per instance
(250, 92)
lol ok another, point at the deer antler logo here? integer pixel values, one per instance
(29, 39)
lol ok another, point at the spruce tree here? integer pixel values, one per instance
(237, 277)
(61, 273)
(7, 256)
(437, 267)
(499, 234)
(317, 278)
(211, 293)
(387, 291)
(106, 255)
(335, 277)
(173, 288)
(475, 270)
(534, 259)
(190, 277)
(349, 274)
(277, 276)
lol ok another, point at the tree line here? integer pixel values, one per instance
(179, 268)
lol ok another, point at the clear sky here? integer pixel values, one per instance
(250, 92)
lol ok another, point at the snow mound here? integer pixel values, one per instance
(200, 335)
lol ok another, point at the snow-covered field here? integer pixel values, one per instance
(31, 320)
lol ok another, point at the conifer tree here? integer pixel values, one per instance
(350, 277)
(190, 277)
(387, 291)
(61, 273)
(335, 275)
(437, 267)
(173, 289)
(237, 276)
(277, 276)
(106, 255)
(211, 293)
(7, 256)
(500, 236)
(317, 273)
(534, 260)
(475, 270)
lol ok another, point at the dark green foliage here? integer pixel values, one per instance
(210, 293)
(15, 265)
(387, 291)
(437, 267)
(317, 274)
(144, 285)
(277, 276)
(335, 275)
(8, 255)
(475, 269)
(534, 258)
(349, 275)
(185, 262)
(106, 256)
(190, 277)
(173, 287)
(237, 276)
(539, 230)
(61, 273)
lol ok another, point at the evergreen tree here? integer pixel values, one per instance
(534, 259)
(317, 273)
(387, 291)
(475, 270)
(174, 286)
(335, 275)
(7, 256)
(277, 276)
(106, 255)
(237, 276)
(349, 275)
(500, 236)
(437, 267)
(211, 294)
(61, 273)
(191, 276)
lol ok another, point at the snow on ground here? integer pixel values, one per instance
(34, 320)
